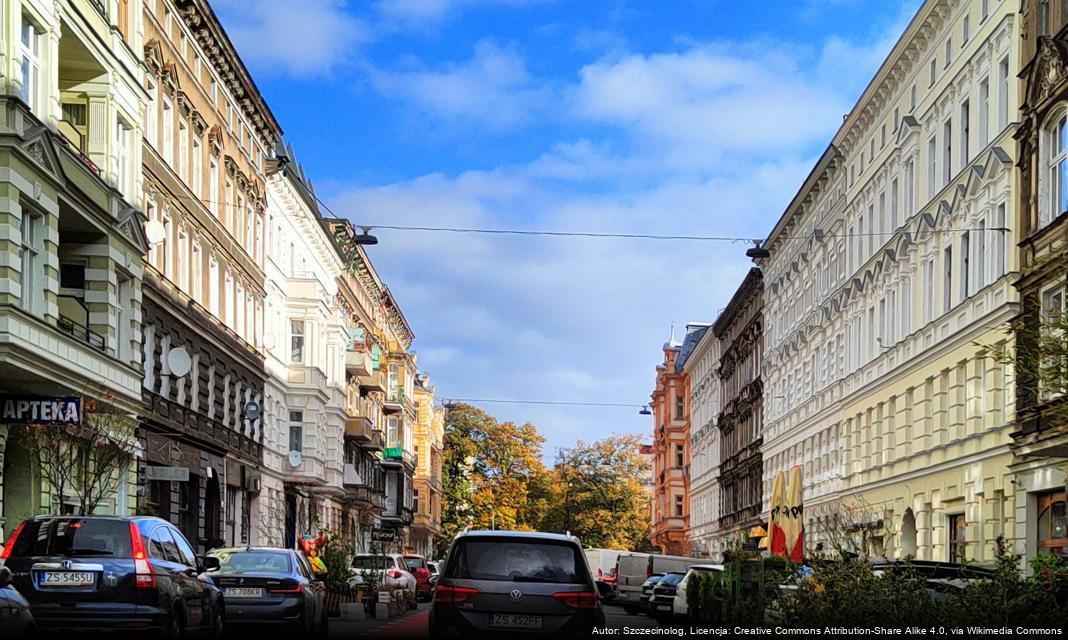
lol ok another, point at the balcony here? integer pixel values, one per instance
(81, 333)
(307, 378)
(351, 478)
(374, 382)
(393, 453)
(394, 401)
(359, 428)
(377, 441)
(304, 286)
(358, 362)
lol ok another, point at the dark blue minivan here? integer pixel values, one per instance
(102, 573)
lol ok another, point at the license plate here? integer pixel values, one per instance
(514, 621)
(67, 579)
(244, 592)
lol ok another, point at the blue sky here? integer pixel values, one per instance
(694, 117)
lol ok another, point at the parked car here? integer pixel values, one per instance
(680, 608)
(103, 573)
(417, 567)
(497, 582)
(16, 621)
(270, 587)
(388, 568)
(662, 599)
(633, 568)
(647, 591)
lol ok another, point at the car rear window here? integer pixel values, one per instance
(369, 563)
(254, 562)
(414, 563)
(74, 537)
(517, 561)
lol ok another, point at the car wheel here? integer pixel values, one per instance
(174, 628)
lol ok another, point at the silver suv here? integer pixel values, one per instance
(515, 582)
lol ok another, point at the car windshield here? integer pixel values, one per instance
(74, 537)
(670, 579)
(414, 562)
(653, 579)
(254, 562)
(517, 561)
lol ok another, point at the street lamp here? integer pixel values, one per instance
(645, 411)
(365, 238)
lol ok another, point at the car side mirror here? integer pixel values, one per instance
(209, 563)
(5, 577)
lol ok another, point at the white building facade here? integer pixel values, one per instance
(702, 366)
(889, 268)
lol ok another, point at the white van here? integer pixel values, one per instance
(680, 609)
(633, 568)
(602, 561)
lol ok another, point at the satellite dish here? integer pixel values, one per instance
(269, 343)
(178, 361)
(295, 458)
(155, 232)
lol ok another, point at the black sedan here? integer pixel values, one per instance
(662, 600)
(647, 590)
(267, 587)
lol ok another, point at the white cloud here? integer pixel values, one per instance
(493, 89)
(414, 13)
(306, 38)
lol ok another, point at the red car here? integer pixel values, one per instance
(417, 565)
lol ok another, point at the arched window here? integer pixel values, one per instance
(1057, 171)
(1052, 523)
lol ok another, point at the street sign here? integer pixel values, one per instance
(170, 474)
(17, 409)
(383, 535)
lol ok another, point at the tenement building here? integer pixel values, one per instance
(671, 450)
(208, 132)
(1040, 437)
(702, 368)
(890, 275)
(429, 436)
(70, 302)
(740, 332)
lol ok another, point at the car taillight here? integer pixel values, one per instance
(144, 577)
(578, 599)
(393, 573)
(299, 588)
(6, 553)
(453, 595)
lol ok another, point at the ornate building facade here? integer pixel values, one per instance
(890, 268)
(208, 133)
(70, 302)
(740, 332)
(429, 439)
(702, 367)
(1040, 437)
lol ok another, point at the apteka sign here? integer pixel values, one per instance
(48, 410)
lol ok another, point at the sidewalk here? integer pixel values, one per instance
(413, 625)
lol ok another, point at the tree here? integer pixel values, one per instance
(598, 494)
(86, 461)
(488, 470)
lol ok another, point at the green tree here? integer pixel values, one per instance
(598, 494)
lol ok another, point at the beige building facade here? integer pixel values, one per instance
(890, 267)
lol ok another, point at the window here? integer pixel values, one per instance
(124, 315)
(415, 500)
(910, 188)
(680, 459)
(984, 112)
(213, 286)
(123, 19)
(167, 143)
(965, 131)
(1043, 17)
(183, 151)
(197, 265)
(213, 185)
(152, 115)
(912, 99)
(949, 51)
(122, 157)
(966, 32)
(1052, 524)
(1000, 232)
(678, 506)
(956, 530)
(934, 63)
(296, 431)
(947, 280)
(30, 231)
(980, 256)
(181, 266)
(679, 407)
(1057, 173)
(985, 8)
(29, 50)
(932, 167)
(1003, 93)
(196, 178)
(947, 151)
(928, 291)
(296, 341)
(965, 266)
(894, 220)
